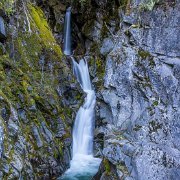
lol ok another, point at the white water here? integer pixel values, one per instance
(84, 122)
(83, 165)
(67, 33)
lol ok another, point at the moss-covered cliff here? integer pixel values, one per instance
(36, 84)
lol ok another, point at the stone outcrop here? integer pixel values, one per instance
(140, 98)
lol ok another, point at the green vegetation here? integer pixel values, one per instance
(122, 167)
(98, 66)
(107, 166)
(45, 33)
(144, 54)
(137, 127)
(155, 103)
(7, 6)
(82, 4)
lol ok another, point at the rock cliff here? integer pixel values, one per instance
(139, 102)
(132, 47)
(38, 97)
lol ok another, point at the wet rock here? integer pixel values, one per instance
(13, 128)
(157, 36)
(138, 98)
(31, 70)
(33, 108)
(17, 164)
(2, 49)
(131, 18)
(128, 149)
(113, 153)
(105, 113)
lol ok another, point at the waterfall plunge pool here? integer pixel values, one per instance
(82, 167)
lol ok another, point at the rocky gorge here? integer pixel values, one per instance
(133, 51)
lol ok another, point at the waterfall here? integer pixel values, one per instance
(84, 122)
(83, 165)
(67, 33)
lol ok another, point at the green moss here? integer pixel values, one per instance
(43, 28)
(144, 54)
(98, 66)
(82, 4)
(7, 6)
(151, 62)
(123, 3)
(68, 112)
(107, 166)
(155, 103)
(88, 27)
(59, 146)
(122, 167)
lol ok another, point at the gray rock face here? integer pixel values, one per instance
(159, 34)
(142, 87)
(37, 137)
(107, 46)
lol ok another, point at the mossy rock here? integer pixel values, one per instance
(30, 78)
(107, 166)
(43, 28)
(144, 54)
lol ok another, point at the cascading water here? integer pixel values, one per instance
(67, 33)
(83, 128)
(83, 165)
